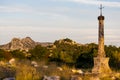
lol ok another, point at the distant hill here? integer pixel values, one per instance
(22, 44)
(67, 41)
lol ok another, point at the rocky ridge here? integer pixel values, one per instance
(27, 43)
(19, 44)
(22, 44)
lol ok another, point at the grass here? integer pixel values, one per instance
(24, 71)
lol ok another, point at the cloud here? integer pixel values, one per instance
(11, 9)
(19, 9)
(30, 10)
(95, 2)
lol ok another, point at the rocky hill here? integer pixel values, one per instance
(67, 41)
(22, 44)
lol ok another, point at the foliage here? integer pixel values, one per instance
(65, 51)
(82, 56)
(78, 55)
(39, 52)
(18, 54)
(85, 59)
(5, 55)
(2, 54)
(114, 53)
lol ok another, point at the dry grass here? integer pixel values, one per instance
(24, 71)
(27, 72)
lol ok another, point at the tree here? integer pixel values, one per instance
(85, 59)
(66, 51)
(2, 52)
(114, 54)
(5, 55)
(39, 52)
(18, 54)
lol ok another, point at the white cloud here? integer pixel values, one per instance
(42, 11)
(95, 2)
(12, 9)
(105, 3)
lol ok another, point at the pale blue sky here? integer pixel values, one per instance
(50, 20)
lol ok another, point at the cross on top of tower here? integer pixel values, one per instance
(101, 9)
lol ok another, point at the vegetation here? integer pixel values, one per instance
(113, 53)
(81, 56)
(64, 53)
(5, 55)
(39, 53)
(17, 54)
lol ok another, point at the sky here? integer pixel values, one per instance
(50, 20)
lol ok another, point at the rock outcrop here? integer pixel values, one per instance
(19, 44)
(67, 41)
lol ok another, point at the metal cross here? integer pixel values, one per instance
(101, 9)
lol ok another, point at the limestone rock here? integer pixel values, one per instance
(51, 78)
(10, 78)
(12, 61)
(76, 78)
(16, 44)
(28, 42)
(19, 44)
(77, 71)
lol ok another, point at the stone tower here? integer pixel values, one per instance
(101, 65)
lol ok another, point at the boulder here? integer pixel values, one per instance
(51, 78)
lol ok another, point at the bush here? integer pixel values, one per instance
(18, 54)
(4, 55)
(39, 53)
